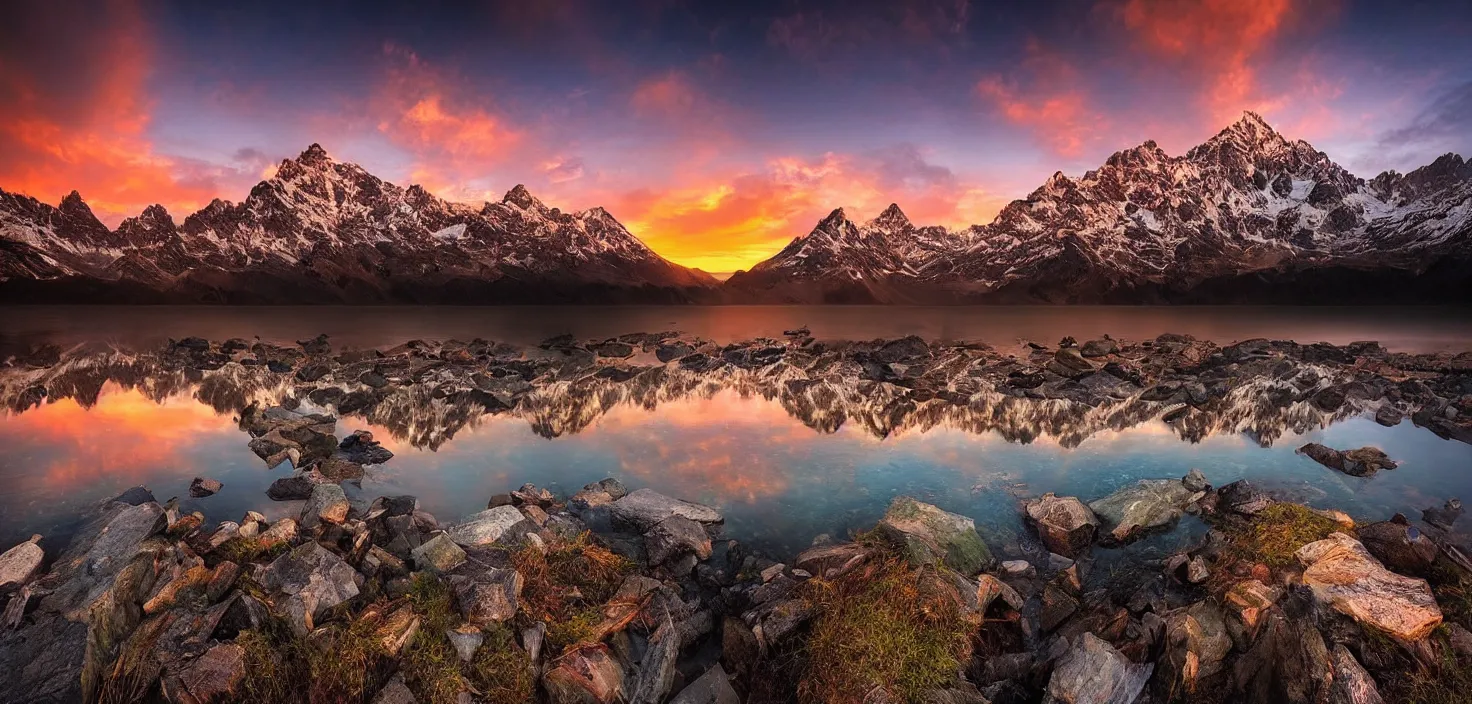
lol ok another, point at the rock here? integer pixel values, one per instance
(327, 504)
(1243, 498)
(1148, 505)
(645, 508)
(1363, 462)
(1196, 643)
(382, 564)
(1388, 416)
(43, 662)
(216, 675)
(1445, 516)
(501, 525)
(532, 638)
(135, 496)
(1093, 672)
(713, 687)
(1399, 546)
(1248, 600)
(657, 668)
(1195, 481)
(337, 470)
(532, 495)
(1099, 348)
(361, 448)
(1069, 363)
(439, 554)
(1019, 568)
(221, 581)
(282, 531)
(1288, 663)
(1057, 606)
(1352, 685)
(676, 536)
(585, 674)
(487, 595)
(20, 564)
(466, 640)
(294, 488)
(1065, 524)
(833, 560)
(395, 692)
(1344, 576)
(1196, 570)
(202, 487)
(989, 589)
(928, 534)
(313, 580)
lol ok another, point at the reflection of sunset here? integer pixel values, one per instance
(125, 436)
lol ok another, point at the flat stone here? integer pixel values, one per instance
(1148, 505)
(1344, 575)
(584, 675)
(1362, 462)
(216, 675)
(439, 554)
(676, 536)
(1093, 672)
(1064, 523)
(20, 564)
(645, 508)
(499, 525)
(327, 504)
(313, 579)
(487, 595)
(928, 534)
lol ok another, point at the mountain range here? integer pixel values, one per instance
(1246, 217)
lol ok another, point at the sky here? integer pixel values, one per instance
(716, 132)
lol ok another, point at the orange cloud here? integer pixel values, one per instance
(94, 140)
(672, 94)
(1221, 39)
(1051, 102)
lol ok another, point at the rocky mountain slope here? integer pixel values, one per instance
(321, 230)
(1247, 216)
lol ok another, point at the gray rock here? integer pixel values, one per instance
(1093, 672)
(1148, 505)
(486, 595)
(1099, 348)
(135, 496)
(532, 639)
(1363, 462)
(1243, 498)
(676, 536)
(439, 555)
(466, 641)
(1064, 523)
(1352, 685)
(497, 526)
(43, 661)
(294, 488)
(645, 508)
(713, 687)
(1195, 481)
(1400, 546)
(395, 692)
(832, 560)
(216, 675)
(327, 504)
(20, 564)
(928, 534)
(282, 531)
(312, 579)
(202, 487)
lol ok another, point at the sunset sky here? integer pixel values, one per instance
(715, 131)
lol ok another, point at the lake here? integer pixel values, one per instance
(783, 467)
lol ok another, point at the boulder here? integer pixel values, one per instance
(1363, 462)
(1289, 662)
(1064, 523)
(439, 554)
(586, 674)
(1093, 672)
(1243, 498)
(1344, 576)
(216, 676)
(466, 640)
(202, 487)
(501, 525)
(294, 488)
(282, 531)
(312, 579)
(486, 595)
(327, 504)
(395, 692)
(832, 560)
(928, 534)
(1068, 362)
(1445, 516)
(676, 536)
(645, 508)
(1099, 348)
(20, 564)
(1197, 643)
(713, 687)
(1195, 481)
(1400, 546)
(1352, 685)
(1148, 505)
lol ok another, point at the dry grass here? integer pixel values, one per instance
(564, 587)
(243, 551)
(1278, 531)
(888, 627)
(432, 668)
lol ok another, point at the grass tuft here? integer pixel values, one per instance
(1279, 530)
(501, 670)
(564, 587)
(886, 628)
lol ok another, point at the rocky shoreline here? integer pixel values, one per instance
(609, 596)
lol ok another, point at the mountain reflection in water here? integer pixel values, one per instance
(788, 449)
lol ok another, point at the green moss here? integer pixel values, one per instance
(1279, 530)
(243, 551)
(888, 626)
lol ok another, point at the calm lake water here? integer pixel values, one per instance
(779, 481)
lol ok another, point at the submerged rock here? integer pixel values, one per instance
(928, 534)
(1149, 505)
(1344, 576)
(1064, 523)
(1093, 672)
(1363, 462)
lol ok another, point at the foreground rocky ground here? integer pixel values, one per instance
(613, 596)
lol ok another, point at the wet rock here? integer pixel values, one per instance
(1148, 505)
(1069, 363)
(1363, 462)
(676, 536)
(327, 504)
(645, 508)
(833, 560)
(1243, 498)
(20, 564)
(928, 534)
(439, 554)
(1445, 516)
(1352, 685)
(216, 676)
(1093, 672)
(295, 488)
(584, 675)
(1195, 481)
(312, 579)
(501, 525)
(1065, 524)
(713, 687)
(1388, 416)
(487, 595)
(1344, 576)
(1399, 546)
(202, 487)
(361, 448)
